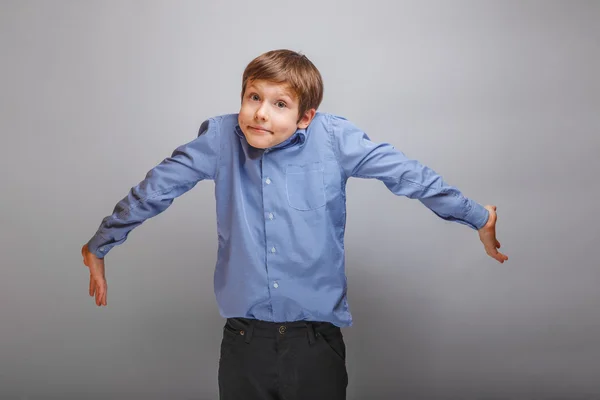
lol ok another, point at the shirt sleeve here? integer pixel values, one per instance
(188, 164)
(359, 157)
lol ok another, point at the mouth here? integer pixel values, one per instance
(259, 130)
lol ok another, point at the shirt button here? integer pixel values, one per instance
(273, 250)
(276, 285)
(268, 181)
(102, 248)
(270, 215)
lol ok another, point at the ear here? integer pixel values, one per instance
(306, 118)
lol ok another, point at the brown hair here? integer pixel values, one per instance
(286, 66)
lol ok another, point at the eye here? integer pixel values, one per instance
(254, 97)
(281, 104)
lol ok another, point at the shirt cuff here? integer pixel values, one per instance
(98, 246)
(478, 215)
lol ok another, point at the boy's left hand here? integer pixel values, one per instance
(487, 235)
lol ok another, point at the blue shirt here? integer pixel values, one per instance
(281, 212)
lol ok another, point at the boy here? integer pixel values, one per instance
(280, 170)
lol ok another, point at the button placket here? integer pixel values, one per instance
(269, 216)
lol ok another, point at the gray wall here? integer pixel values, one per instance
(501, 98)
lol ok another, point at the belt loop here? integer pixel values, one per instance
(310, 332)
(249, 331)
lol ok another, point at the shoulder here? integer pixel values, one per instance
(336, 126)
(327, 121)
(327, 117)
(218, 124)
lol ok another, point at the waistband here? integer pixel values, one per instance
(278, 330)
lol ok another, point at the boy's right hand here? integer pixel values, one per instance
(98, 284)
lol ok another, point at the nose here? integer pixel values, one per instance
(261, 114)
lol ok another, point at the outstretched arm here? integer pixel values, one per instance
(359, 157)
(174, 176)
(188, 164)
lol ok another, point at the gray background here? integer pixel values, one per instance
(501, 98)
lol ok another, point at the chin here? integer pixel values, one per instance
(258, 144)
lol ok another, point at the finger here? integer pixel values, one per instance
(98, 294)
(492, 252)
(91, 289)
(105, 294)
(501, 257)
(102, 295)
(497, 244)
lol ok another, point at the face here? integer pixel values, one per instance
(269, 114)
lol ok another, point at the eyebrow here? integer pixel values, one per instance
(287, 94)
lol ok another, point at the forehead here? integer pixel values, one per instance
(273, 88)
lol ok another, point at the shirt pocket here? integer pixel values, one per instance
(305, 186)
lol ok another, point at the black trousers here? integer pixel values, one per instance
(282, 361)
